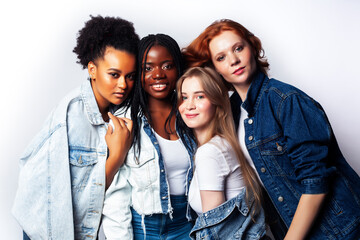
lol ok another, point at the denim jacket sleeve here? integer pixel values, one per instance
(44, 185)
(308, 135)
(117, 216)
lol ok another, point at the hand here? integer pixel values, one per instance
(119, 142)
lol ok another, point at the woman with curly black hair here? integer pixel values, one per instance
(148, 197)
(70, 163)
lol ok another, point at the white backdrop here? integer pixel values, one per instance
(310, 44)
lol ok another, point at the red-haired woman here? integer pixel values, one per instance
(311, 191)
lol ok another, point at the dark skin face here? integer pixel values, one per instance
(159, 83)
(160, 73)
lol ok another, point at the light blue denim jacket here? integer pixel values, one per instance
(141, 184)
(230, 220)
(62, 178)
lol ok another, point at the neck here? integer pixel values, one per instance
(201, 136)
(159, 105)
(242, 90)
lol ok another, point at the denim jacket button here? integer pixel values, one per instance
(263, 170)
(280, 199)
(251, 138)
(162, 170)
(279, 148)
(164, 197)
(250, 121)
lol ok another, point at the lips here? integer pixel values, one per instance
(159, 86)
(190, 115)
(239, 71)
(120, 94)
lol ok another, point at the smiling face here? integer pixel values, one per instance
(160, 73)
(196, 109)
(233, 58)
(112, 77)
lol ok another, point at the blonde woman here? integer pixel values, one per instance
(225, 191)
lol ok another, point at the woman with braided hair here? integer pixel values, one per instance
(148, 198)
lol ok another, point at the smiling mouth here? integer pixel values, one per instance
(190, 115)
(159, 87)
(239, 71)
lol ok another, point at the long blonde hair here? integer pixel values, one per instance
(222, 124)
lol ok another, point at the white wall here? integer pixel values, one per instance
(310, 44)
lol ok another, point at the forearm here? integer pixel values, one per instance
(306, 212)
(111, 167)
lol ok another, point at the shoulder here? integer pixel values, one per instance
(285, 90)
(215, 151)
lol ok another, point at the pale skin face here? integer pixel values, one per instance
(196, 109)
(112, 78)
(233, 58)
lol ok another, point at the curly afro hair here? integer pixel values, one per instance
(101, 32)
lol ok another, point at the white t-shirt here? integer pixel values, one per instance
(176, 162)
(241, 136)
(216, 169)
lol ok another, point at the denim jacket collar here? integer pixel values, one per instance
(92, 109)
(91, 106)
(255, 92)
(252, 100)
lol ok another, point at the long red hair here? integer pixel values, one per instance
(197, 54)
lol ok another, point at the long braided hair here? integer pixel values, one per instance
(139, 105)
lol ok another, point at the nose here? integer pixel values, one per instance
(158, 73)
(234, 59)
(190, 104)
(122, 82)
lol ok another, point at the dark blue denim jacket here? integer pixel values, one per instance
(230, 220)
(295, 152)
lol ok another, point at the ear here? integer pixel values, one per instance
(92, 70)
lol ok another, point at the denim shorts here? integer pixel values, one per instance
(161, 226)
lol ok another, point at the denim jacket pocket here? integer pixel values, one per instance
(81, 162)
(274, 154)
(143, 168)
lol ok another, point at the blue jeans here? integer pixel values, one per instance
(160, 226)
(25, 237)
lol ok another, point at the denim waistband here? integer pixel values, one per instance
(178, 198)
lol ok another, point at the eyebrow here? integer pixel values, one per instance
(236, 43)
(161, 62)
(114, 69)
(197, 92)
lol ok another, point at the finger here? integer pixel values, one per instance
(109, 130)
(115, 121)
(128, 122)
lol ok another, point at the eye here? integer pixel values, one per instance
(131, 76)
(184, 98)
(148, 68)
(239, 48)
(115, 75)
(200, 97)
(220, 58)
(168, 66)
